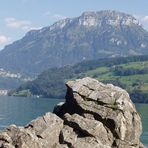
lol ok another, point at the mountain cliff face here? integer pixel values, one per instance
(93, 35)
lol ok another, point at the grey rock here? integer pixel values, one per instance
(88, 127)
(5, 137)
(108, 104)
(7, 145)
(42, 125)
(94, 115)
(89, 142)
(68, 136)
(59, 109)
(42, 132)
(61, 146)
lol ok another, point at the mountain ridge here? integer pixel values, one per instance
(92, 35)
(130, 73)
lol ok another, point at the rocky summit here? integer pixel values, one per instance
(94, 115)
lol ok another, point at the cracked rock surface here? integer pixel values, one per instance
(94, 115)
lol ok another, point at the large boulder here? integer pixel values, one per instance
(105, 105)
(94, 115)
(42, 132)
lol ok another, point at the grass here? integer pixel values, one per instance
(136, 65)
(130, 82)
(132, 76)
(138, 82)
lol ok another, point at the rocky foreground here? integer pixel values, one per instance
(94, 115)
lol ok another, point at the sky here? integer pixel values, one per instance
(17, 17)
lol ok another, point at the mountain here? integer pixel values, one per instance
(130, 73)
(92, 35)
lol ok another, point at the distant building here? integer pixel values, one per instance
(3, 92)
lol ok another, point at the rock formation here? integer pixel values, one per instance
(94, 115)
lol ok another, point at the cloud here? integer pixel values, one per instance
(54, 16)
(18, 24)
(143, 20)
(4, 39)
(36, 28)
(58, 16)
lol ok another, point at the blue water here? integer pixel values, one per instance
(143, 111)
(20, 111)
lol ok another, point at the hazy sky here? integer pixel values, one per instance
(19, 16)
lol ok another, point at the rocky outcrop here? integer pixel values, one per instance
(94, 115)
(40, 133)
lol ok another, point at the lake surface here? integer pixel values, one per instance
(20, 111)
(143, 111)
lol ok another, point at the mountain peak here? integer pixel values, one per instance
(109, 17)
(88, 18)
(88, 13)
(90, 36)
(93, 19)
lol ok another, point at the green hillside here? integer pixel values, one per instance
(130, 73)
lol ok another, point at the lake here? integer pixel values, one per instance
(20, 111)
(143, 111)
